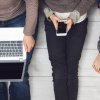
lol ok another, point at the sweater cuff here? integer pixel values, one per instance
(28, 33)
(75, 15)
(99, 46)
(48, 12)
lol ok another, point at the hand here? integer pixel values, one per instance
(55, 20)
(69, 23)
(29, 43)
(96, 64)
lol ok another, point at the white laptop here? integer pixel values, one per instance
(12, 54)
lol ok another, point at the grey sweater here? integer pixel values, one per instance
(77, 7)
(12, 8)
(82, 6)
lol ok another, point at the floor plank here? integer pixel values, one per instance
(42, 88)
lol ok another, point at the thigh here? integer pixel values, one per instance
(20, 90)
(56, 49)
(56, 44)
(75, 42)
(3, 86)
(3, 91)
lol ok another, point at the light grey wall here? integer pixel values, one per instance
(40, 68)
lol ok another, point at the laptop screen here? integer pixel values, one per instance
(11, 70)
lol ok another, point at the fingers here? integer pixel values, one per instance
(29, 43)
(30, 46)
(96, 64)
(55, 24)
(96, 68)
(69, 23)
(55, 21)
(68, 27)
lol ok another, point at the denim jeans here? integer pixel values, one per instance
(98, 1)
(64, 54)
(17, 90)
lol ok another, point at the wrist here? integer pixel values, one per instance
(48, 12)
(75, 15)
(70, 19)
(27, 35)
(51, 16)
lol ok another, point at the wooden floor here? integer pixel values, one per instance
(40, 68)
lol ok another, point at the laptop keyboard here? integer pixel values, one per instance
(11, 48)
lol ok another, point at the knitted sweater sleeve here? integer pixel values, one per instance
(31, 16)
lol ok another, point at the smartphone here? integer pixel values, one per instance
(62, 29)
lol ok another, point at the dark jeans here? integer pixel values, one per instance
(64, 54)
(98, 1)
(17, 90)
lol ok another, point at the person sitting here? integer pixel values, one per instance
(19, 13)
